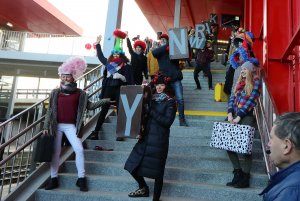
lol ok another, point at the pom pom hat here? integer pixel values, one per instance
(164, 36)
(118, 48)
(74, 66)
(140, 43)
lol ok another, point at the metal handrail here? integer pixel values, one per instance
(265, 112)
(21, 131)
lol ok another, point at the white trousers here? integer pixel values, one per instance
(70, 131)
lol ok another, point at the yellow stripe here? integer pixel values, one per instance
(192, 70)
(205, 113)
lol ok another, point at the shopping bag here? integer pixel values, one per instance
(44, 148)
(232, 137)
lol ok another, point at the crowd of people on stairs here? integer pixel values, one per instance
(148, 157)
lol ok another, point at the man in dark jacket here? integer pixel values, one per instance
(204, 57)
(138, 60)
(171, 69)
(285, 154)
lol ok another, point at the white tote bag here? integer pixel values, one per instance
(232, 137)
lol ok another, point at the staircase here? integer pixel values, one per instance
(194, 171)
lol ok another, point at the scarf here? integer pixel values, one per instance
(160, 97)
(240, 86)
(68, 87)
(114, 65)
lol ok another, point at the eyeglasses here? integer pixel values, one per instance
(66, 76)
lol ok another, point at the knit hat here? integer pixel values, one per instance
(74, 66)
(160, 78)
(140, 43)
(248, 65)
(164, 35)
(118, 48)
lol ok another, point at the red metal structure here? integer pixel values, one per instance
(277, 27)
(275, 24)
(36, 16)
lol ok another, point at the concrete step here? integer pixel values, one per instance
(183, 190)
(192, 122)
(210, 163)
(179, 135)
(171, 173)
(76, 195)
(204, 151)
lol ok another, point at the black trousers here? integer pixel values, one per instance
(109, 92)
(206, 70)
(158, 184)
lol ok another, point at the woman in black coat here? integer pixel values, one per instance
(149, 155)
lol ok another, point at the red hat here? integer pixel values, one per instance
(140, 43)
(164, 35)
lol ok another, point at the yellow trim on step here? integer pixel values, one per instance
(205, 113)
(192, 70)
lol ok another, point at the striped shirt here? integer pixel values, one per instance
(240, 104)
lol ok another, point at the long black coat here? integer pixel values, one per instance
(149, 155)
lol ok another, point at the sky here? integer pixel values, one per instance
(90, 15)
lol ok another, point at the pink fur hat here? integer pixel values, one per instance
(74, 65)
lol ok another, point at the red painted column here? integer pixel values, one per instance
(277, 34)
(296, 25)
(246, 14)
(255, 26)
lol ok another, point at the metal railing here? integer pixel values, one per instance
(19, 134)
(265, 115)
(47, 43)
(25, 93)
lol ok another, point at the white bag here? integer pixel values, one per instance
(232, 137)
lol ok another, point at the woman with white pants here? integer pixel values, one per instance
(65, 115)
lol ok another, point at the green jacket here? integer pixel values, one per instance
(50, 122)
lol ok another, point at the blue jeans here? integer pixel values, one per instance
(178, 89)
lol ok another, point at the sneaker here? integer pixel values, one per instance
(52, 184)
(210, 88)
(182, 122)
(198, 88)
(94, 135)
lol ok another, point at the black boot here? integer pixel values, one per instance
(94, 135)
(237, 176)
(52, 184)
(244, 182)
(81, 183)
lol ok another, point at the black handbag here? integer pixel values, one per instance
(44, 148)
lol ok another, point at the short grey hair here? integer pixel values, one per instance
(288, 126)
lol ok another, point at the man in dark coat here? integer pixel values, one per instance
(285, 154)
(171, 69)
(149, 155)
(138, 60)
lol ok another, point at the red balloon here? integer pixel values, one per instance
(88, 46)
(94, 45)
